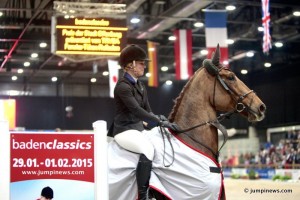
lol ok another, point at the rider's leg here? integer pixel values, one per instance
(135, 141)
(143, 172)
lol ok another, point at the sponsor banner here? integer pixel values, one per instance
(52, 165)
(52, 156)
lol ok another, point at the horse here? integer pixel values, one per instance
(186, 164)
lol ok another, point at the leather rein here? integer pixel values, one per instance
(240, 107)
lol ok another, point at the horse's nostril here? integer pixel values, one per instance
(262, 108)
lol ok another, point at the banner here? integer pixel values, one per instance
(216, 33)
(183, 54)
(152, 65)
(53, 163)
(113, 69)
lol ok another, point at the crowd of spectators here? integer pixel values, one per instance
(284, 155)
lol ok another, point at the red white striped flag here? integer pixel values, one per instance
(183, 54)
(113, 69)
(152, 65)
(267, 45)
(216, 33)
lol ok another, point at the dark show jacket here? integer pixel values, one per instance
(132, 106)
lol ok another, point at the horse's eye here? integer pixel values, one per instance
(231, 77)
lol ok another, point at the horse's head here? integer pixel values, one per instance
(230, 93)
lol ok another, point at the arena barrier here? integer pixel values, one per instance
(263, 173)
(33, 160)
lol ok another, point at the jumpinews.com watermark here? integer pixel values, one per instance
(267, 191)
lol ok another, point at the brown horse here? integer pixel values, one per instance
(213, 88)
(193, 170)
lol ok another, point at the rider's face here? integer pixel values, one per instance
(139, 68)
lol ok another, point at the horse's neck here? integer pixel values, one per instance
(195, 108)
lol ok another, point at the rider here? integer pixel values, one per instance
(133, 115)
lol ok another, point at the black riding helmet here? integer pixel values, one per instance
(131, 53)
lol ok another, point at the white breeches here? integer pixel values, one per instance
(135, 141)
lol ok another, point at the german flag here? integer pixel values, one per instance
(152, 65)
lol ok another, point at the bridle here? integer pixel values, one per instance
(239, 107)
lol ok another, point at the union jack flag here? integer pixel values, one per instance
(267, 45)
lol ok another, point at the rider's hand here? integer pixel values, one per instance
(172, 126)
(162, 118)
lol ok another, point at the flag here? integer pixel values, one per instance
(113, 69)
(183, 54)
(267, 45)
(8, 112)
(216, 33)
(152, 65)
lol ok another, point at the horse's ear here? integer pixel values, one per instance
(216, 57)
(210, 67)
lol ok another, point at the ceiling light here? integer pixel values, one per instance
(67, 16)
(244, 71)
(172, 38)
(20, 71)
(26, 64)
(230, 7)
(148, 74)
(160, 2)
(34, 55)
(93, 80)
(267, 64)
(204, 52)
(151, 49)
(250, 54)
(278, 44)
(54, 79)
(260, 29)
(1, 14)
(164, 68)
(43, 44)
(13, 92)
(296, 13)
(135, 20)
(169, 82)
(14, 78)
(229, 41)
(105, 73)
(225, 62)
(198, 24)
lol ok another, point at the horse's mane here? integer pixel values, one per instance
(180, 97)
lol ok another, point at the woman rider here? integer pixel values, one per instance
(133, 115)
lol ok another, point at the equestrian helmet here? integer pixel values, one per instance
(131, 53)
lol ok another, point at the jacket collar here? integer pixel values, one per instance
(130, 78)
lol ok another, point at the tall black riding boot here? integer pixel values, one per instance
(143, 171)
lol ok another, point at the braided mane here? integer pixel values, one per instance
(180, 97)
